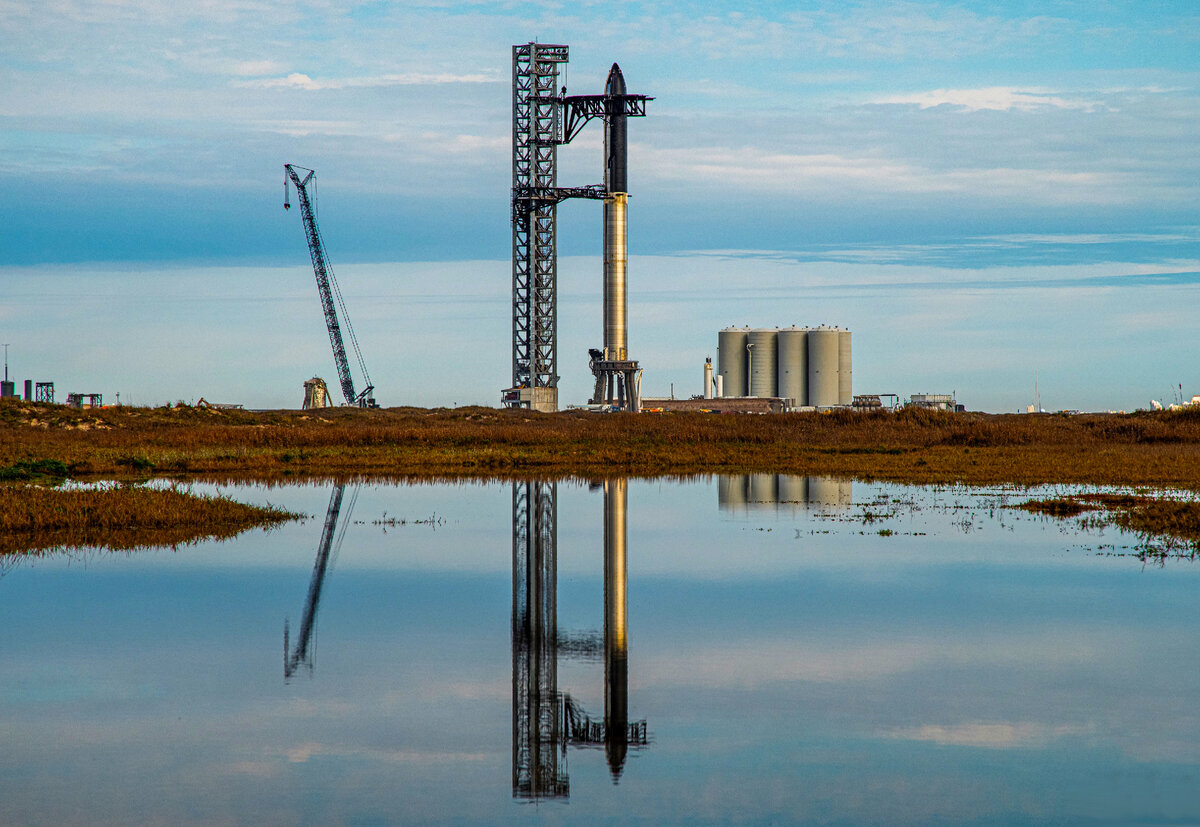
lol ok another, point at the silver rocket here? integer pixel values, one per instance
(616, 346)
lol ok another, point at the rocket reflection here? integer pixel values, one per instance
(545, 721)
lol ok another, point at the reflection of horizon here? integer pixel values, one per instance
(745, 492)
(546, 721)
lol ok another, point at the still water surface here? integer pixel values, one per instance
(754, 649)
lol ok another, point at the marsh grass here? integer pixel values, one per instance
(34, 518)
(486, 443)
(1152, 518)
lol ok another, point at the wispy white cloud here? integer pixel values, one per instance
(1001, 98)
(299, 80)
(759, 170)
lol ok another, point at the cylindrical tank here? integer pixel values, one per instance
(792, 366)
(731, 360)
(761, 359)
(708, 380)
(845, 386)
(823, 367)
(719, 381)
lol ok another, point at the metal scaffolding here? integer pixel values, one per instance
(537, 128)
(543, 119)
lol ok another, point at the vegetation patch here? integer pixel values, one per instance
(912, 446)
(33, 518)
(35, 469)
(1153, 519)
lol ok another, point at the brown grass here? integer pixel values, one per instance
(1149, 517)
(913, 446)
(33, 518)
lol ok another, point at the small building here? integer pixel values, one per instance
(933, 401)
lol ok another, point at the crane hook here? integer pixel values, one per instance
(286, 204)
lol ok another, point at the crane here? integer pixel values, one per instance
(327, 286)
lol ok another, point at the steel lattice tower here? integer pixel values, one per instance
(543, 118)
(537, 130)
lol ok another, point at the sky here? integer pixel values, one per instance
(982, 192)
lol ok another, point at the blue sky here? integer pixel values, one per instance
(941, 147)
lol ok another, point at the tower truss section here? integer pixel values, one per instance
(537, 131)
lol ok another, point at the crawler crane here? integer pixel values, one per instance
(327, 286)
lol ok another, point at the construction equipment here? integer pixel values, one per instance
(328, 288)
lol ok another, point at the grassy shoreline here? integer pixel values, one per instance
(1146, 448)
(35, 518)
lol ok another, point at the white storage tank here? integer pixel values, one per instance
(731, 360)
(761, 359)
(823, 366)
(792, 368)
(845, 386)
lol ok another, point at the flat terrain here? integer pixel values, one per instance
(1151, 448)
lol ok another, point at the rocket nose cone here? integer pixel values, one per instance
(616, 81)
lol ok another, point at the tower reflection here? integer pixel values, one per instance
(546, 721)
(539, 762)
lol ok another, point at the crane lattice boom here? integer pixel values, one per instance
(328, 290)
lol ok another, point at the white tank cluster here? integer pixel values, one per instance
(809, 366)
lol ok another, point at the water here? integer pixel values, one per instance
(864, 653)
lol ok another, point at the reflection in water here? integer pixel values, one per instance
(616, 644)
(302, 654)
(539, 763)
(545, 721)
(742, 492)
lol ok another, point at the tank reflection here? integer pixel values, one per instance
(327, 550)
(747, 492)
(545, 721)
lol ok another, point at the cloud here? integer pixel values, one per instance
(1000, 98)
(756, 169)
(298, 80)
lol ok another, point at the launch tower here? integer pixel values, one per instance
(543, 119)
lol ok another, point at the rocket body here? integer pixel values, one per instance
(616, 346)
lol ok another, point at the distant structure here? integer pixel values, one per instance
(329, 292)
(316, 394)
(44, 392)
(934, 401)
(6, 387)
(805, 367)
(204, 403)
(85, 400)
(544, 118)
